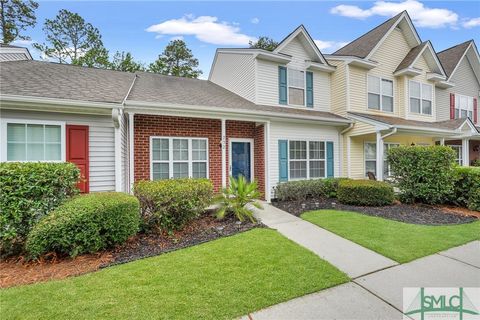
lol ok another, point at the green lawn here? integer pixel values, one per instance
(221, 279)
(399, 241)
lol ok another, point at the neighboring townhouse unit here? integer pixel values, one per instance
(459, 98)
(386, 82)
(293, 77)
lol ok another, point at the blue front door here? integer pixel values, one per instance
(241, 160)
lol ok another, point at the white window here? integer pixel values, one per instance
(33, 141)
(307, 160)
(421, 97)
(459, 154)
(463, 107)
(296, 87)
(179, 157)
(380, 94)
(371, 158)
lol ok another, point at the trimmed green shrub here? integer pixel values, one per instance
(423, 174)
(28, 192)
(365, 193)
(303, 189)
(169, 204)
(86, 224)
(467, 188)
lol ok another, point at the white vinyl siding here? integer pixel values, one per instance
(101, 142)
(235, 72)
(280, 130)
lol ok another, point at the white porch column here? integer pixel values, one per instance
(466, 152)
(266, 150)
(118, 125)
(379, 156)
(224, 152)
(442, 141)
(131, 162)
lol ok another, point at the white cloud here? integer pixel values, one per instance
(471, 23)
(255, 20)
(205, 28)
(22, 43)
(176, 38)
(421, 15)
(329, 46)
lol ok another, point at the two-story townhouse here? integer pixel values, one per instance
(459, 98)
(294, 76)
(386, 82)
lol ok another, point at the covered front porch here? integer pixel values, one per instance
(368, 145)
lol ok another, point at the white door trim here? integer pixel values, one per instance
(251, 141)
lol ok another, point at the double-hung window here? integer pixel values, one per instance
(307, 159)
(463, 107)
(380, 94)
(296, 87)
(421, 97)
(371, 158)
(33, 141)
(179, 158)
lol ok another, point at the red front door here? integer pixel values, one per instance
(77, 152)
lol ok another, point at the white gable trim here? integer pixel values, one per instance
(412, 29)
(434, 55)
(474, 48)
(301, 30)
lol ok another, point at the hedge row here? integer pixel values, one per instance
(303, 189)
(365, 193)
(467, 188)
(28, 192)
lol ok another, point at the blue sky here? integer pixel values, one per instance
(144, 28)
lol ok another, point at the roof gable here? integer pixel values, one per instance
(425, 50)
(451, 58)
(366, 45)
(301, 34)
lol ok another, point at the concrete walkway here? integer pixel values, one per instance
(344, 254)
(376, 295)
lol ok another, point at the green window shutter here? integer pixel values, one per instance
(283, 160)
(282, 85)
(330, 166)
(309, 89)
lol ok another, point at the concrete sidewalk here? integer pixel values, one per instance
(344, 254)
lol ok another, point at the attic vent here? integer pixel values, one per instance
(398, 28)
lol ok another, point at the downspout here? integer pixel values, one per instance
(394, 130)
(130, 138)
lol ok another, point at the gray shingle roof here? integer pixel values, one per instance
(395, 121)
(62, 81)
(449, 58)
(362, 46)
(411, 56)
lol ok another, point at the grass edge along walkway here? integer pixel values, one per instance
(221, 279)
(396, 240)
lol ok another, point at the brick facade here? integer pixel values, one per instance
(146, 126)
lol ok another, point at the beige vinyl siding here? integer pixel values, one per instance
(267, 82)
(422, 78)
(353, 156)
(298, 52)
(299, 131)
(101, 142)
(465, 84)
(235, 72)
(338, 87)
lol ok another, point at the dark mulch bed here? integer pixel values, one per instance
(416, 214)
(18, 271)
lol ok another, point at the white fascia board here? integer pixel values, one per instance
(220, 112)
(273, 57)
(377, 124)
(444, 84)
(408, 72)
(433, 76)
(15, 101)
(354, 61)
(319, 66)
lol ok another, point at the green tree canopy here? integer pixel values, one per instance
(265, 43)
(176, 60)
(124, 62)
(72, 40)
(15, 17)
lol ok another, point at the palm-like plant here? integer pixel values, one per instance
(235, 198)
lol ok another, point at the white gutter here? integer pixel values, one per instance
(219, 111)
(57, 102)
(390, 133)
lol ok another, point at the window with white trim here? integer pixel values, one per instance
(421, 97)
(178, 157)
(463, 107)
(371, 158)
(380, 94)
(458, 153)
(296, 87)
(33, 141)
(307, 159)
